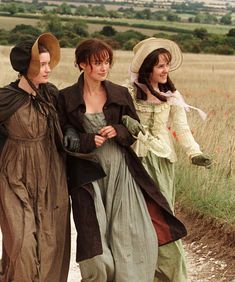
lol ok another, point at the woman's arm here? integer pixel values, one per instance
(124, 137)
(82, 141)
(182, 129)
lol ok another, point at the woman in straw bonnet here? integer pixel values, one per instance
(34, 203)
(117, 217)
(159, 105)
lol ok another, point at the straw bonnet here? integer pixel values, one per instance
(24, 56)
(147, 46)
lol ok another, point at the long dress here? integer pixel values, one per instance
(128, 238)
(158, 157)
(34, 203)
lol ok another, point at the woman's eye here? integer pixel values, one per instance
(162, 66)
(98, 63)
(43, 64)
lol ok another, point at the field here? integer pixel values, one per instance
(96, 24)
(207, 82)
(211, 28)
(98, 27)
(9, 23)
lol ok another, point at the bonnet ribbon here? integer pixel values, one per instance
(174, 98)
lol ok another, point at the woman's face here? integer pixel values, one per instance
(98, 69)
(45, 69)
(160, 71)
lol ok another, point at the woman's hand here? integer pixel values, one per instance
(71, 140)
(99, 140)
(133, 126)
(202, 160)
(108, 132)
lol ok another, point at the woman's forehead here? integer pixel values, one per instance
(101, 56)
(44, 56)
(164, 57)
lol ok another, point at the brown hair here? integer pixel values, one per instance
(147, 68)
(42, 48)
(92, 48)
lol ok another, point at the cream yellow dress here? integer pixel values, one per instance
(157, 153)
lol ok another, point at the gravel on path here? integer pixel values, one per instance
(201, 266)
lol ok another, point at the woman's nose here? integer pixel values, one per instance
(166, 69)
(104, 65)
(48, 68)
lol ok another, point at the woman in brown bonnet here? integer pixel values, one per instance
(120, 217)
(34, 202)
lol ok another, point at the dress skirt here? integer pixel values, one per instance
(171, 266)
(34, 202)
(129, 240)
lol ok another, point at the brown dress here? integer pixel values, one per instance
(34, 203)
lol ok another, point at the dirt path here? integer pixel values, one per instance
(210, 248)
(202, 266)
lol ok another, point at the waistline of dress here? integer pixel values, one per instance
(17, 138)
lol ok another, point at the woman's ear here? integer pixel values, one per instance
(82, 65)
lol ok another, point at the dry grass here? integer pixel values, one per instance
(207, 82)
(9, 23)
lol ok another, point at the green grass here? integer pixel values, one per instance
(208, 191)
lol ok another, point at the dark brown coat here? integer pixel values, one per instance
(119, 103)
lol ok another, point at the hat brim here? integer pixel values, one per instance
(147, 46)
(50, 42)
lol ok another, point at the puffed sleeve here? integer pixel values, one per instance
(180, 125)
